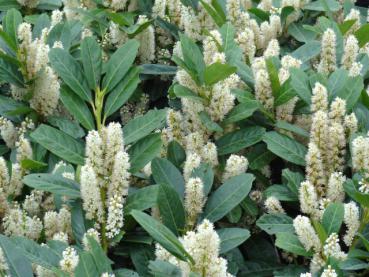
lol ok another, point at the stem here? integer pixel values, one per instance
(97, 109)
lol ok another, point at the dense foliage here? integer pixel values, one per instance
(193, 138)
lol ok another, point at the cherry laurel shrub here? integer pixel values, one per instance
(184, 138)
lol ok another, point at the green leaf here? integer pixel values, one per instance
(11, 22)
(228, 196)
(240, 139)
(70, 71)
(206, 174)
(217, 72)
(16, 261)
(158, 69)
(119, 64)
(300, 33)
(275, 223)
(300, 83)
(160, 268)
(60, 144)
(76, 106)
(36, 253)
(351, 91)
(181, 91)
(10, 73)
(293, 179)
(78, 221)
(193, 59)
(307, 51)
(86, 266)
(164, 172)
(333, 218)
(67, 126)
(321, 5)
(125, 273)
(231, 238)
(336, 82)
(292, 128)
(259, 156)
(142, 199)
(32, 164)
(285, 147)
(273, 76)
(143, 151)
(171, 209)
(285, 93)
(209, 124)
(346, 26)
(53, 183)
(162, 235)
(122, 92)
(362, 34)
(92, 61)
(241, 112)
(102, 262)
(9, 4)
(143, 125)
(353, 264)
(8, 40)
(218, 18)
(291, 243)
(176, 153)
(281, 192)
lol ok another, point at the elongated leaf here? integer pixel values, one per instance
(332, 218)
(164, 172)
(291, 243)
(240, 139)
(119, 64)
(70, 71)
(292, 128)
(76, 106)
(11, 22)
(228, 196)
(102, 262)
(53, 183)
(9, 4)
(275, 223)
(217, 72)
(362, 34)
(176, 153)
(122, 92)
(86, 266)
(300, 83)
(241, 112)
(231, 238)
(351, 91)
(301, 34)
(59, 143)
(171, 208)
(142, 199)
(16, 261)
(209, 124)
(92, 61)
(36, 253)
(285, 147)
(67, 126)
(143, 151)
(181, 91)
(160, 268)
(162, 235)
(143, 125)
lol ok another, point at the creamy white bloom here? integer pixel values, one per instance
(329, 272)
(308, 198)
(332, 248)
(69, 261)
(319, 99)
(28, 3)
(8, 132)
(273, 205)
(352, 222)
(328, 53)
(146, 51)
(192, 161)
(306, 233)
(351, 51)
(194, 199)
(90, 233)
(235, 165)
(335, 191)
